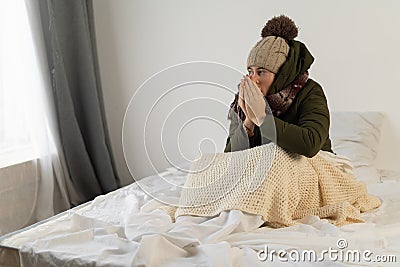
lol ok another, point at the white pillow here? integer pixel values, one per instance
(356, 135)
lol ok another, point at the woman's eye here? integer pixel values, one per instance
(261, 72)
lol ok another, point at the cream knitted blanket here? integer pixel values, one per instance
(280, 186)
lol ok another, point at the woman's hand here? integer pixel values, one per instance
(252, 100)
(241, 101)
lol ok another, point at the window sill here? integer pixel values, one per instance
(15, 155)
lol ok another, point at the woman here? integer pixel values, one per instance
(288, 181)
(278, 75)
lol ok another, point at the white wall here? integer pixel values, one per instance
(354, 43)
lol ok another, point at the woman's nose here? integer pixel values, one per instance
(253, 77)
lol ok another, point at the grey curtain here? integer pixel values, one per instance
(68, 29)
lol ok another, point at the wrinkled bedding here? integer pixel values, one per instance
(127, 228)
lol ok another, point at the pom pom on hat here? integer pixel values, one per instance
(280, 26)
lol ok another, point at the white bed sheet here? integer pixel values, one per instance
(126, 228)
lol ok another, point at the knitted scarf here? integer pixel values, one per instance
(280, 102)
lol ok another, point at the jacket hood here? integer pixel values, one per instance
(298, 61)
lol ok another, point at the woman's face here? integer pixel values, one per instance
(262, 77)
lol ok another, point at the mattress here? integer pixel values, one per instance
(127, 228)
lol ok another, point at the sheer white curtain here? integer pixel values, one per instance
(28, 130)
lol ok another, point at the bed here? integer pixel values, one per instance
(128, 227)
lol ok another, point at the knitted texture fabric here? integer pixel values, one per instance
(280, 186)
(281, 101)
(270, 53)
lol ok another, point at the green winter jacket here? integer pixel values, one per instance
(304, 129)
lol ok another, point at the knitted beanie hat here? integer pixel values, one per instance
(272, 50)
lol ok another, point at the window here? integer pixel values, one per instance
(18, 79)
